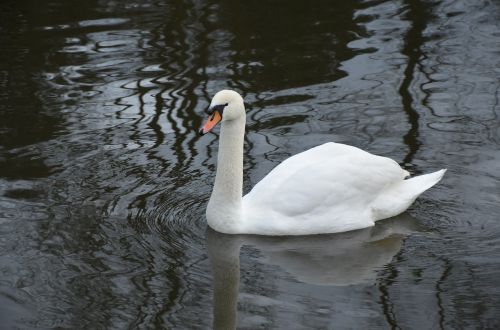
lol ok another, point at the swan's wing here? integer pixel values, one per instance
(329, 178)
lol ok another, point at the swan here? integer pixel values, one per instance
(330, 188)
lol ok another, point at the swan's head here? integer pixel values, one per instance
(226, 105)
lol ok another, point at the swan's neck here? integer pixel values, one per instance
(224, 209)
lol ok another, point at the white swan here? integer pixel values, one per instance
(327, 189)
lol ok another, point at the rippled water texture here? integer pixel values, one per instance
(104, 181)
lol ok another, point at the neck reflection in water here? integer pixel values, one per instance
(342, 259)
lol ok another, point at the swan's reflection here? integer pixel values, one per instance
(336, 259)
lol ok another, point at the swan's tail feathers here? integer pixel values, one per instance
(397, 198)
(421, 183)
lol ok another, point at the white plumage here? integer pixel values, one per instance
(327, 189)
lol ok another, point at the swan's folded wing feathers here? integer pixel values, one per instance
(325, 179)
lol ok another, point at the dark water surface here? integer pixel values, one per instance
(104, 181)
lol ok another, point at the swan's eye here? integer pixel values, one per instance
(218, 107)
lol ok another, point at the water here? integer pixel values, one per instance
(104, 181)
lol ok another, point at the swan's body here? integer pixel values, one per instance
(327, 189)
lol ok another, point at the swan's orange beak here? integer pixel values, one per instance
(212, 120)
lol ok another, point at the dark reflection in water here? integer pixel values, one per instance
(103, 180)
(419, 16)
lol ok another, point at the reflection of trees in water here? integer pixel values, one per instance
(418, 14)
(30, 113)
(288, 44)
(24, 120)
